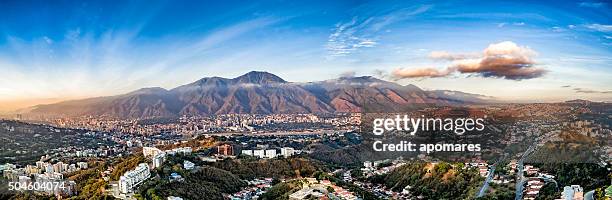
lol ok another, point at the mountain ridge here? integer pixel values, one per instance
(257, 92)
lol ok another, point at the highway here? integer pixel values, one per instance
(520, 182)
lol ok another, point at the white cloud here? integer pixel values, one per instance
(591, 4)
(600, 27)
(361, 32)
(504, 60)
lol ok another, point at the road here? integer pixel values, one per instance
(485, 186)
(520, 182)
(489, 178)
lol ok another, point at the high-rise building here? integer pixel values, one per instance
(58, 167)
(225, 150)
(40, 164)
(150, 151)
(287, 151)
(247, 152)
(82, 165)
(271, 153)
(158, 160)
(48, 168)
(259, 153)
(133, 178)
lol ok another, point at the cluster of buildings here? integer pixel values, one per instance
(46, 177)
(483, 167)
(324, 189)
(534, 185)
(271, 153)
(378, 167)
(589, 127)
(11, 172)
(255, 189)
(536, 179)
(131, 179)
(158, 156)
(197, 124)
(371, 168)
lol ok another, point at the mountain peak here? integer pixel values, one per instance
(149, 90)
(259, 77)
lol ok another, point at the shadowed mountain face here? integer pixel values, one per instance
(258, 93)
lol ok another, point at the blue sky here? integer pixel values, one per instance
(70, 49)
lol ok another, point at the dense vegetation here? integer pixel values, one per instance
(126, 164)
(284, 189)
(281, 191)
(274, 168)
(204, 181)
(588, 175)
(90, 184)
(439, 181)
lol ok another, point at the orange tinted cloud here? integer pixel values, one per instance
(421, 72)
(444, 55)
(500, 60)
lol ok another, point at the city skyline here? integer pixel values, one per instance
(516, 51)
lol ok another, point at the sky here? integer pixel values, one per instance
(519, 51)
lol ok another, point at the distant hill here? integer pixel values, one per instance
(578, 101)
(260, 93)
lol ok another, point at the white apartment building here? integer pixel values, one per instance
(150, 151)
(133, 178)
(183, 150)
(247, 152)
(259, 153)
(287, 152)
(82, 165)
(158, 160)
(271, 153)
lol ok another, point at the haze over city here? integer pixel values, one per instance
(515, 51)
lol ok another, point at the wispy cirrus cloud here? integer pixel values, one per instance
(361, 32)
(592, 4)
(108, 63)
(599, 27)
(445, 55)
(348, 37)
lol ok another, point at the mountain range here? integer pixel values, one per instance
(261, 93)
